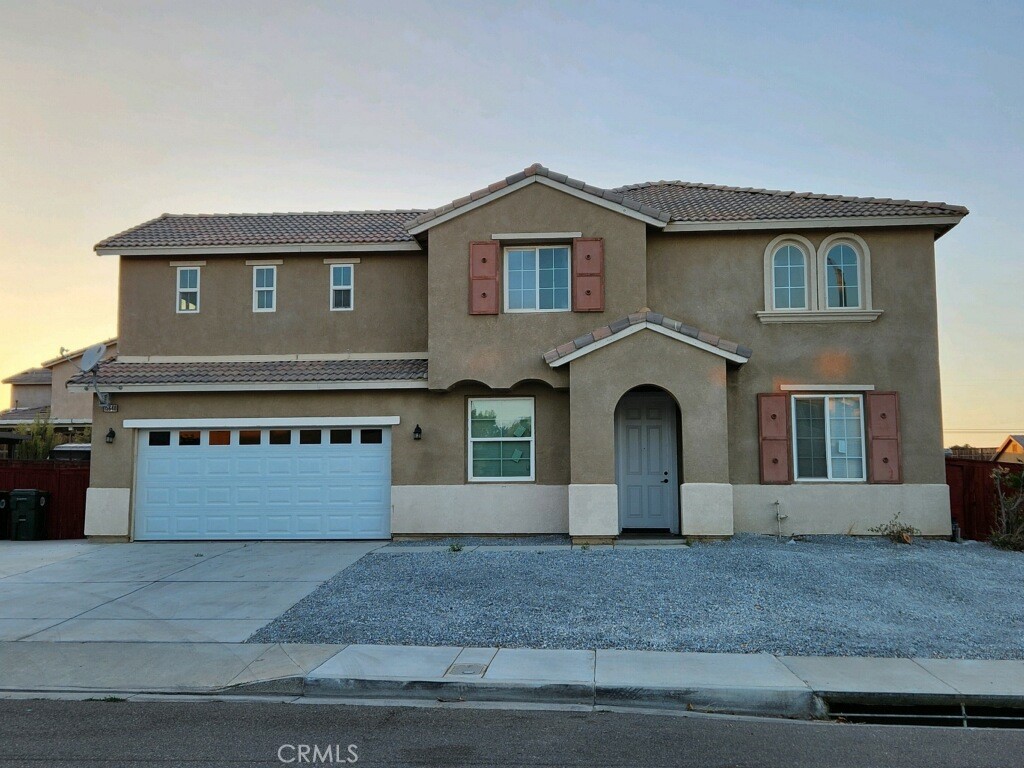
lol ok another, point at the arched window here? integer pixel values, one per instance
(789, 277)
(843, 282)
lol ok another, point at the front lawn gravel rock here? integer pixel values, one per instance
(822, 596)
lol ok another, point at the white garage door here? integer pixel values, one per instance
(288, 483)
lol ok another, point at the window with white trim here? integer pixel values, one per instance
(501, 439)
(789, 277)
(537, 278)
(341, 287)
(828, 438)
(187, 290)
(842, 277)
(264, 289)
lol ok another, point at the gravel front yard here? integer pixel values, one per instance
(824, 596)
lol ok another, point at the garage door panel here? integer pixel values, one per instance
(293, 490)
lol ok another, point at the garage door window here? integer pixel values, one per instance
(159, 438)
(280, 437)
(188, 437)
(310, 436)
(220, 437)
(371, 436)
(250, 437)
(341, 436)
(501, 439)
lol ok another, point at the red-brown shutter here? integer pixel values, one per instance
(483, 277)
(883, 421)
(588, 274)
(773, 435)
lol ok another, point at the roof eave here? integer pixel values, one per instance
(230, 250)
(267, 386)
(941, 224)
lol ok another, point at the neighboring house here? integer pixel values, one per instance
(41, 393)
(970, 452)
(539, 356)
(1011, 451)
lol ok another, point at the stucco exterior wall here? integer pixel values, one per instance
(30, 395)
(71, 405)
(439, 458)
(716, 281)
(389, 314)
(696, 380)
(500, 350)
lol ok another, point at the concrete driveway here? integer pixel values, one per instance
(218, 592)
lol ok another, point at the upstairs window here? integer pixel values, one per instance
(341, 287)
(789, 277)
(537, 279)
(842, 277)
(264, 289)
(188, 290)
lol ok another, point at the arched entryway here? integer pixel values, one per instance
(647, 460)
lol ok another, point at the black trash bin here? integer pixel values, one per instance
(28, 514)
(5, 515)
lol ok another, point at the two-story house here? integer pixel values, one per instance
(539, 356)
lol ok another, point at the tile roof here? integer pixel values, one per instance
(115, 373)
(643, 316)
(25, 414)
(31, 376)
(234, 229)
(613, 196)
(664, 201)
(689, 201)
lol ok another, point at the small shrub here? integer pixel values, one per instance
(1008, 532)
(455, 547)
(896, 532)
(41, 440)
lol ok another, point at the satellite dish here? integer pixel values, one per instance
(93, 355)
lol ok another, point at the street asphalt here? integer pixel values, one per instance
(61, 734)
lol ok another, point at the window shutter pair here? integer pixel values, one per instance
(882, 422)
(587, 276)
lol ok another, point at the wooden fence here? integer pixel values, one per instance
(66, 482)
(972, 495)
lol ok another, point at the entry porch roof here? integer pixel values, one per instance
(645, 319)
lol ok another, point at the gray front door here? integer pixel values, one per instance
(646, 465)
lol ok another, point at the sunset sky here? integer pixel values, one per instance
(114, 112)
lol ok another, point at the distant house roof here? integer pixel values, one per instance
(264, 229)
(268, 374)
(77, 353)
(654, 321)
(1018, 439)
(31, 376)
(24, 415)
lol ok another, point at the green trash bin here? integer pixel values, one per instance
(28, 514)
(5, 515)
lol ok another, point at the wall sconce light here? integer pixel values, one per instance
(110, 435)
(417, 434)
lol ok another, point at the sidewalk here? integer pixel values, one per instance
(747, 684)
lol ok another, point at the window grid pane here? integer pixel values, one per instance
(790, 278)
(501, 438)
(842, 275)
(811, 452)
(537, 278)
